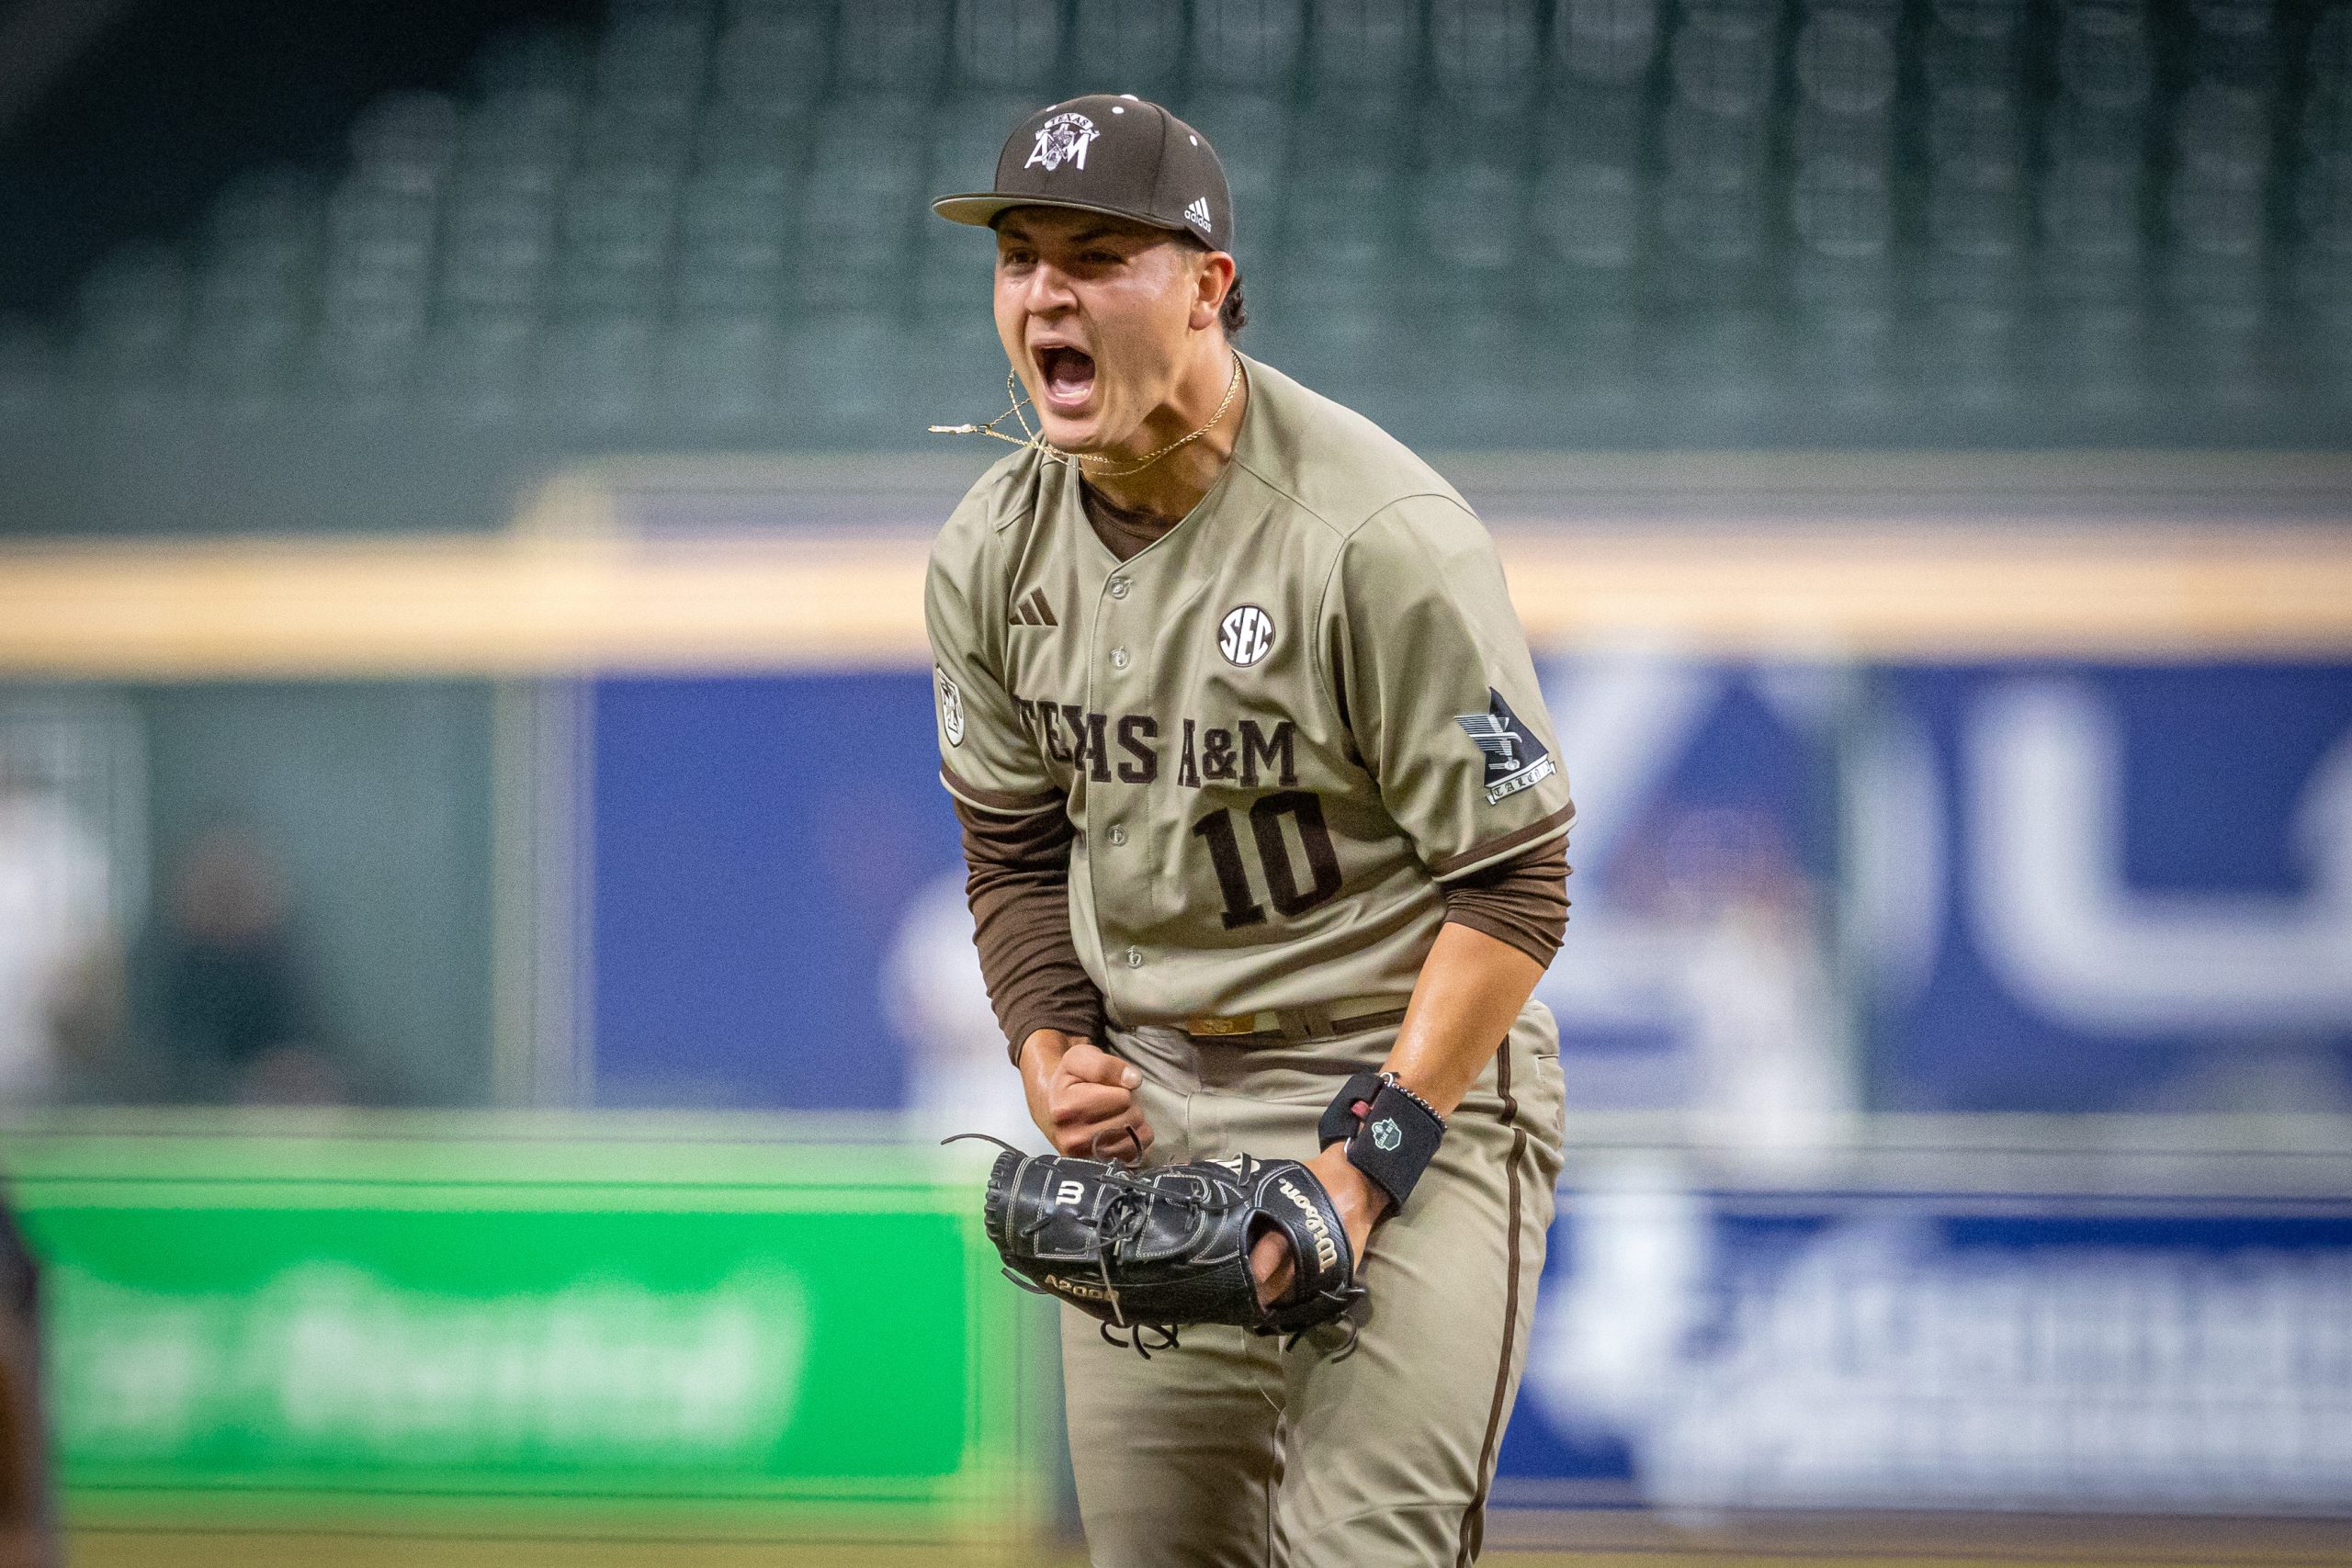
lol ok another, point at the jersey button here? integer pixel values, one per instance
(1135, 958)
(1118, 834)
(1118, 588)
(1118, 659)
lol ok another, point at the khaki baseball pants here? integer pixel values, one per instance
(1230, 1452)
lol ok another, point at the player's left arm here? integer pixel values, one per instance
(1431, 666)
(1470, 988)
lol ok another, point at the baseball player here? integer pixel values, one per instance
(1259, 795)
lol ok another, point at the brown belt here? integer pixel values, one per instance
(1282, 1026)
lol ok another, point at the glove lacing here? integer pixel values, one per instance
(1125, 1214)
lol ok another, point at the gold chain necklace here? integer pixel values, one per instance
(1225, 402)
(1036, 438)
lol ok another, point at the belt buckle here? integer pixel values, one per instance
(1214, 1027)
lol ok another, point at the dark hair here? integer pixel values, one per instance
(1233, 315)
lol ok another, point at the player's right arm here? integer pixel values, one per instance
(1018, 884)
(1082, 1097)
(1017, 839)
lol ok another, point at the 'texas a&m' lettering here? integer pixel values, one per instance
(1127, 747)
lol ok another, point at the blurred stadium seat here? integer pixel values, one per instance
(2087, 223)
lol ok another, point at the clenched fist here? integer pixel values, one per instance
(1082, 1097)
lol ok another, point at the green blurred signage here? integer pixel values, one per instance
(706, 1332)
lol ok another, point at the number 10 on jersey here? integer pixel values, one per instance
(1280, 873)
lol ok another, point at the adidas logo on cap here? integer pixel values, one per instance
(1198, 214)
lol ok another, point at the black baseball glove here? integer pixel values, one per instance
(1152, 1250)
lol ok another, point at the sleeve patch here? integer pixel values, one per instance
(950, 706)
(1515, 758)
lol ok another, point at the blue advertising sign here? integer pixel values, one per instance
(756, 845)
(1799, 889)
(1714, 1350)
(2096, 889)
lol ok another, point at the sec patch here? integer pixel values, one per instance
(1246, 634)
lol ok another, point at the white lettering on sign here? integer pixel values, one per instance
(2055, 914)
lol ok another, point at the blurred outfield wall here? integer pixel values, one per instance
(1958, 996)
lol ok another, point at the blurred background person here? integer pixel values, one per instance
(231, 995)
(1767, 1051)
(61, 967)
(61, 1015)
(958, 1079)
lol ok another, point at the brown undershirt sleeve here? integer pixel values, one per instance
(1522, 901)
(1018, 884)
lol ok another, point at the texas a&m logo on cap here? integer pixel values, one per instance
(1062, 139)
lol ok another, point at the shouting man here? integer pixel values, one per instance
(1260, 799)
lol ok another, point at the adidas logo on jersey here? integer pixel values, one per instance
(1032, 611)
(1198, 215)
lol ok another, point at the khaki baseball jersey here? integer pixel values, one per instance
(1277, 730)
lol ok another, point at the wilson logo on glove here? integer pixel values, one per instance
(1326, 1251)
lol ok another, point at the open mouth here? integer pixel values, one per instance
(1067, 375)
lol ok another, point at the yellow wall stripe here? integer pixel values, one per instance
(513, 605)
(538, 602)
(1918, 591)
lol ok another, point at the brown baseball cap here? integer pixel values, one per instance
(1108, 153)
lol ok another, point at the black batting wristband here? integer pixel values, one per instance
(1391, 1132)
